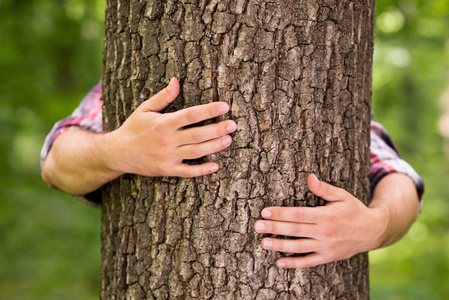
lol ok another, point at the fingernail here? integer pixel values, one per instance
(260, 227)
(268, 244)
(266, 213)
(226, 140)
(223, 108)
(231, 127)
(214, 169)
(281, 264)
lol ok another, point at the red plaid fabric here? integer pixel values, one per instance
(385, 159)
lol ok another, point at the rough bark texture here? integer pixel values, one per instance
(297, 74)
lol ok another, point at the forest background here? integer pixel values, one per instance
(51, 56)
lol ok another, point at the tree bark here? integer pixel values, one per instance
(297, 75)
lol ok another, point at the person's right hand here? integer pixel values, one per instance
(153, 144)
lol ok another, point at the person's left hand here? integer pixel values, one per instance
(336, 231)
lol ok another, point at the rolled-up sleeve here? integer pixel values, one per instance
(385, 159)
(88, 115)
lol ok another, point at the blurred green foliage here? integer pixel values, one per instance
(51, 55)
(410, 77)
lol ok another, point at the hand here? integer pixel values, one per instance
(336, 231)
(153, 144)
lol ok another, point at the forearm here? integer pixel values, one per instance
(148, 143)
(78, 162)
(396, 199)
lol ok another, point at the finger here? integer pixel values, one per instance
(195, 114)
(188, 171)
(204, 133)
(291, 246)
(162, 99)
(310, 260)
(293, 214)
(287, 228)
(194, 151)
(324, 190)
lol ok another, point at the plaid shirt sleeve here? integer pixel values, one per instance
(385, 159)
(88, 115)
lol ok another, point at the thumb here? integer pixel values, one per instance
(324, 190)
(162, 99)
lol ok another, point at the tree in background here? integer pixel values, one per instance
(297, 75)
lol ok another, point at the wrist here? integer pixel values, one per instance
(110, 154)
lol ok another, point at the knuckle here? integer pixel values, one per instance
(218, 145)
(212, 112)
(279, 246)
(188, 173)
(298, 214)
(326, 188)
(277, 213)
(161, 125)
(296, 230)
(196, 136)
(164, 93)
(191, 116)
(220, 130)
(195, 152)
(298, 263)
(329, 233)
(164, 141)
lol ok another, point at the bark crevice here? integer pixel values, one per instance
(297, 75)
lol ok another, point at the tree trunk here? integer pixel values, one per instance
(297, 74)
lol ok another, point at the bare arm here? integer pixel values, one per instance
(148, 143)
(344, 226)
(79, 162)
(396, 196)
